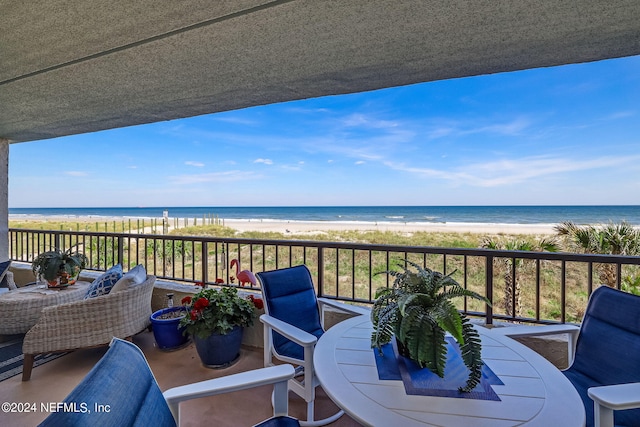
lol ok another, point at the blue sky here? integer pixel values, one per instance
(560, 135)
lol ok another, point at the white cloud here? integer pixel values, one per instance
(620, 115)
(76, 173)
(457, 128)
(265, 161)
(228, 176)
(359, 119)
(514, 171)
(360, 162)
(196, 164)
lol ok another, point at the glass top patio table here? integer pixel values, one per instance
(535, 392)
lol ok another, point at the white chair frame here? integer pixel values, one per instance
(307, 386)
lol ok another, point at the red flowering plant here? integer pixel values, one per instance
(257, 302)
(213, 310)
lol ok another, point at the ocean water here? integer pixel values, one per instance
(417, 214)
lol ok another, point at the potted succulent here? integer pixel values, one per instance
(418, 311)
(57, 266)
(215, 320)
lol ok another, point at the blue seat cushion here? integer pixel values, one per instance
(291, 297)
(122, 383)
(279, 422)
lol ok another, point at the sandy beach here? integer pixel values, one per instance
(314, 227)
(409, 227)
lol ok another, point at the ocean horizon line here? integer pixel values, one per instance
(528, 215)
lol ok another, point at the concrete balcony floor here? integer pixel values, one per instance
(53, 381)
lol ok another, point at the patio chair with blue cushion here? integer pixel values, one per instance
(292, 326)
(605, 369)
(123, 383)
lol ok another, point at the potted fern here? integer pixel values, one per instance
(57, 266)
(418, 311)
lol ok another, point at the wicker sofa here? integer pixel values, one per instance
(89, 323)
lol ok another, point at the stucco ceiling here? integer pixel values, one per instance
(75, 66)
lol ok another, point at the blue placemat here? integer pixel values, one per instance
(421, 381)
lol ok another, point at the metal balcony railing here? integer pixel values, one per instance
(538, 287)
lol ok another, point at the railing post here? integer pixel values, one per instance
(205, 262)
(56, 240)
(320, 271)
(120, 251)
(489, 288)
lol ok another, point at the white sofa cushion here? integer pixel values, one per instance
(133, 277)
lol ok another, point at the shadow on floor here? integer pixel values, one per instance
(54, 380)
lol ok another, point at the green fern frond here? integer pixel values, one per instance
(449, 319)
(424, 340)
(471, 352)
(458, 291)
(384, 320)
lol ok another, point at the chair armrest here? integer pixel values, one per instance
(296, 335)
(353, 309)
(11, 283)
(609, 398)
(616, 397)
(278, 375)
(539, 331)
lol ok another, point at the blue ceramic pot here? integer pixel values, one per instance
(167, 332)
(220, 351)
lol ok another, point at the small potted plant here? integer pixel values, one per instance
(215, 320)
(166, 326)
(418, 311)
(57, 266)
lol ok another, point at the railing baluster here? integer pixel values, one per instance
(121, 251)
(353, 274)
(321, 271)
(538, 289)
(563, 292)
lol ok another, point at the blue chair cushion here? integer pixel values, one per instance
(279, 422)
(291, 297)
(103, 284)
(608, 348)
(123, 384)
